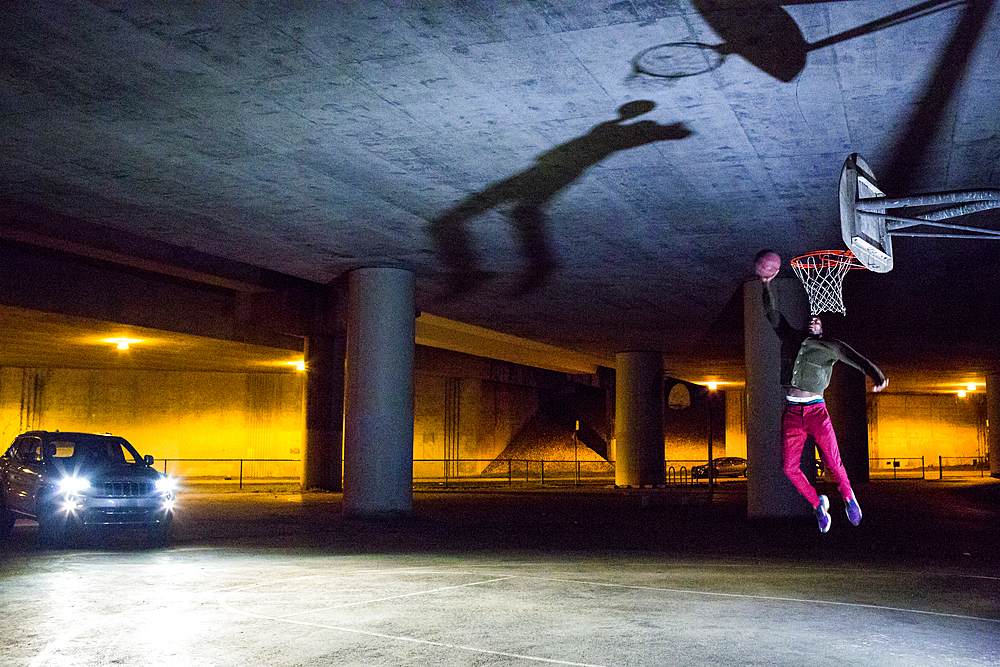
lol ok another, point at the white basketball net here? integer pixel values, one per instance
(822, 274)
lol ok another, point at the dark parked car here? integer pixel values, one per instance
(725, 466)
(68, 482)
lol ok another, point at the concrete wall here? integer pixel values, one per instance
(504, 411)
(170, 415)
(736, 431)
(914, 425)
(459, 414)
(466, 419)
(686, 422)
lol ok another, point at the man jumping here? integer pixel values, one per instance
(807, 359)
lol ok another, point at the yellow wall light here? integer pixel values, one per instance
(714, 385)
(299, 365)
(123, 343)
(961, 393)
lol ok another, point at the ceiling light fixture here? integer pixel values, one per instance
(122, 343)
(299, 365)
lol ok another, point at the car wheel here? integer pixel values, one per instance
(50, 529)
(6, 522)
(159, 534)
(54, 529)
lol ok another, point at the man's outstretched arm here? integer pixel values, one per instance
(854, 358)
(770, 307)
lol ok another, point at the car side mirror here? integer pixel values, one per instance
(148, 459)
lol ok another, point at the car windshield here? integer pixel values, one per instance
(95, 450)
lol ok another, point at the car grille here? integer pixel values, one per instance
(126, 489)
(121, 516)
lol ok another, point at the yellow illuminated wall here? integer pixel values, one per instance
(686, 427)
(177, 415)
(736, 432)
(249, 416)
(171, 415)
(928, 425)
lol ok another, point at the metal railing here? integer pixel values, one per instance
(511, 471)
(231, 469)
(529, 472)
(897, 468)
(444, 472)
(537, 472)
(963, 466)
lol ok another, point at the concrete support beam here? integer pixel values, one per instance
(47, 281)
(639, 419)
(769, 492)
(325, 351)
(378, 402)
(846, 401)
(324, 419)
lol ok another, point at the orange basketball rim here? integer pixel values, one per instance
(822, 274)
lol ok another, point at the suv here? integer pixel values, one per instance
(70, 481)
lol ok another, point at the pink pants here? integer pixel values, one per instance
(798, 422)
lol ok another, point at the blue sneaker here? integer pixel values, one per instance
(822, 516)
(853, 511)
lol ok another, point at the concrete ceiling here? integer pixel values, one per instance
(480, 145)
(33, 339)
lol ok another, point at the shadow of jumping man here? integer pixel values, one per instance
(529, 190)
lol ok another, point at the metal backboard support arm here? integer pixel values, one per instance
(956, 205)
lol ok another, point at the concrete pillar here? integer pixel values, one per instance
(639, 419)
(993, 422)
(769, 492)
(847, 402)
(378, 394)
(324, 437)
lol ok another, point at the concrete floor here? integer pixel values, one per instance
(660, 577)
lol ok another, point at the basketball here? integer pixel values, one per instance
(768, 264)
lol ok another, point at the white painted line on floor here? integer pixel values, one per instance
(224, 603)
(770, 598)
(262, 584)
(395, 597)
(58, 644)
(413, 640)
(104, 622)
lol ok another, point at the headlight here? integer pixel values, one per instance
(72, 504)
(73, 484)
(166, 485)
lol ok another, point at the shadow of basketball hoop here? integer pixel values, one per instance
(764, 35)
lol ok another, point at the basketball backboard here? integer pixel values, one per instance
(867, 225)
(864, 232)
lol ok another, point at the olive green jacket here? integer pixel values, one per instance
(807, 361)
